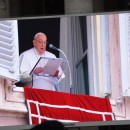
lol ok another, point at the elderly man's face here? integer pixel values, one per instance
(40, 43)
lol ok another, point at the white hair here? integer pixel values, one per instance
(38, 34)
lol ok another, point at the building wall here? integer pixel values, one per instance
(13, 110)
(107, 38)
(119, 102)
(115, 67)
(121, 106)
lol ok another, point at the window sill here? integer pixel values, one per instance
(18, 89)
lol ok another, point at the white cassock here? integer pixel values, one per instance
(28, 59)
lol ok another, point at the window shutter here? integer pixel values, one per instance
(9, 53)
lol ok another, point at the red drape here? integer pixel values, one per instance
(65, 107)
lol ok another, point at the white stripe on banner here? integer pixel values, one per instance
(30, 119)
(38, 112)
(48, 118)
(74, 108)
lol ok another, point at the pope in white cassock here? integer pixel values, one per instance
(29, 58)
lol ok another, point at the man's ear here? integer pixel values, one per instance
(34, 43)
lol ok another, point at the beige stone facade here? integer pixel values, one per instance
(13, 110)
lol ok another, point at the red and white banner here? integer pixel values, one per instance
(49, 105)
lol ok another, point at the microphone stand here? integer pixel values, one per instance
(68, 68)
(53, 47)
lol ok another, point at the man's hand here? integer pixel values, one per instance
(38, 70)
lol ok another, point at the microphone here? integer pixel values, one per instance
(55, 48)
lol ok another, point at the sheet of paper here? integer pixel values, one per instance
(52, 66)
